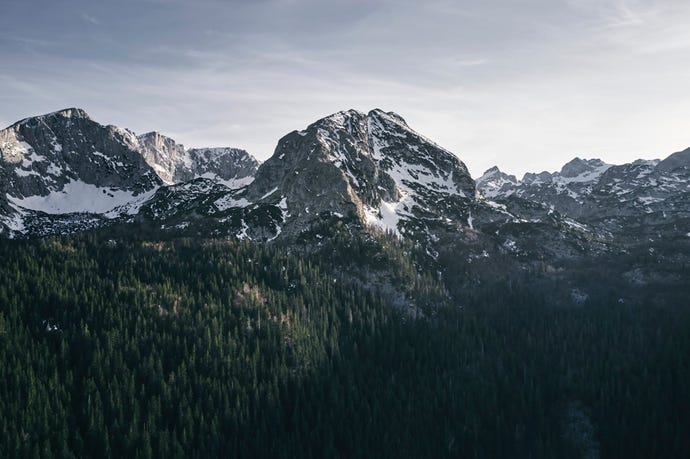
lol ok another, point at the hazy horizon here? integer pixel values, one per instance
(525, 85)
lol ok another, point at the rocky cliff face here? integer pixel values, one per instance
(167, 158)
(47, 152)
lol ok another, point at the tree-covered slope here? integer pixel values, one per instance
(148, 348)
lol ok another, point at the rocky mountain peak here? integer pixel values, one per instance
(372, 167)
(494, 172)
(536, 178)
(155, 138)
(62, 164)
(390, 116)
(71, 113)
(491, 171)
(493, 180)
(163, 154)
(577, 166)
(232, 167)
(675, 161)
(50, 150)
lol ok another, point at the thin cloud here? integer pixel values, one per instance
(471, 62)
(88, 18)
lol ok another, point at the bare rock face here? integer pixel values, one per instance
(583, 168)
(164, 155)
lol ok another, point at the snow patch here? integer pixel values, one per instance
(78, 197)
(110, 160)
(385, 217)
(242, 235)
(282, 205)
(576, 225)
(133, 206)
(233, 183)
(510, 245)
(228, 201)
(647, 200)
(22, 173)
(269, 193)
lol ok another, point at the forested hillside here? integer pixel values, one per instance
(181, 348)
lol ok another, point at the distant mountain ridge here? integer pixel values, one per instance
(602, 194)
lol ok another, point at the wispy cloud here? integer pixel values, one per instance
(88, 18)
(471, 62)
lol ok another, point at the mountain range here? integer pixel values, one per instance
(364, 175)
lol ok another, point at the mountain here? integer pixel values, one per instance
(366, 171)
(493, 181)
(565, 189)
(371, 168)
(357, 175)
(66, 163)
(64, 172)
(231, 166)
(618, 200)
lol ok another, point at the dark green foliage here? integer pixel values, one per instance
(221, 349)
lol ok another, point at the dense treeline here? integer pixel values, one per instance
(220, 349)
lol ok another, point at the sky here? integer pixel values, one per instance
(523, 84)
